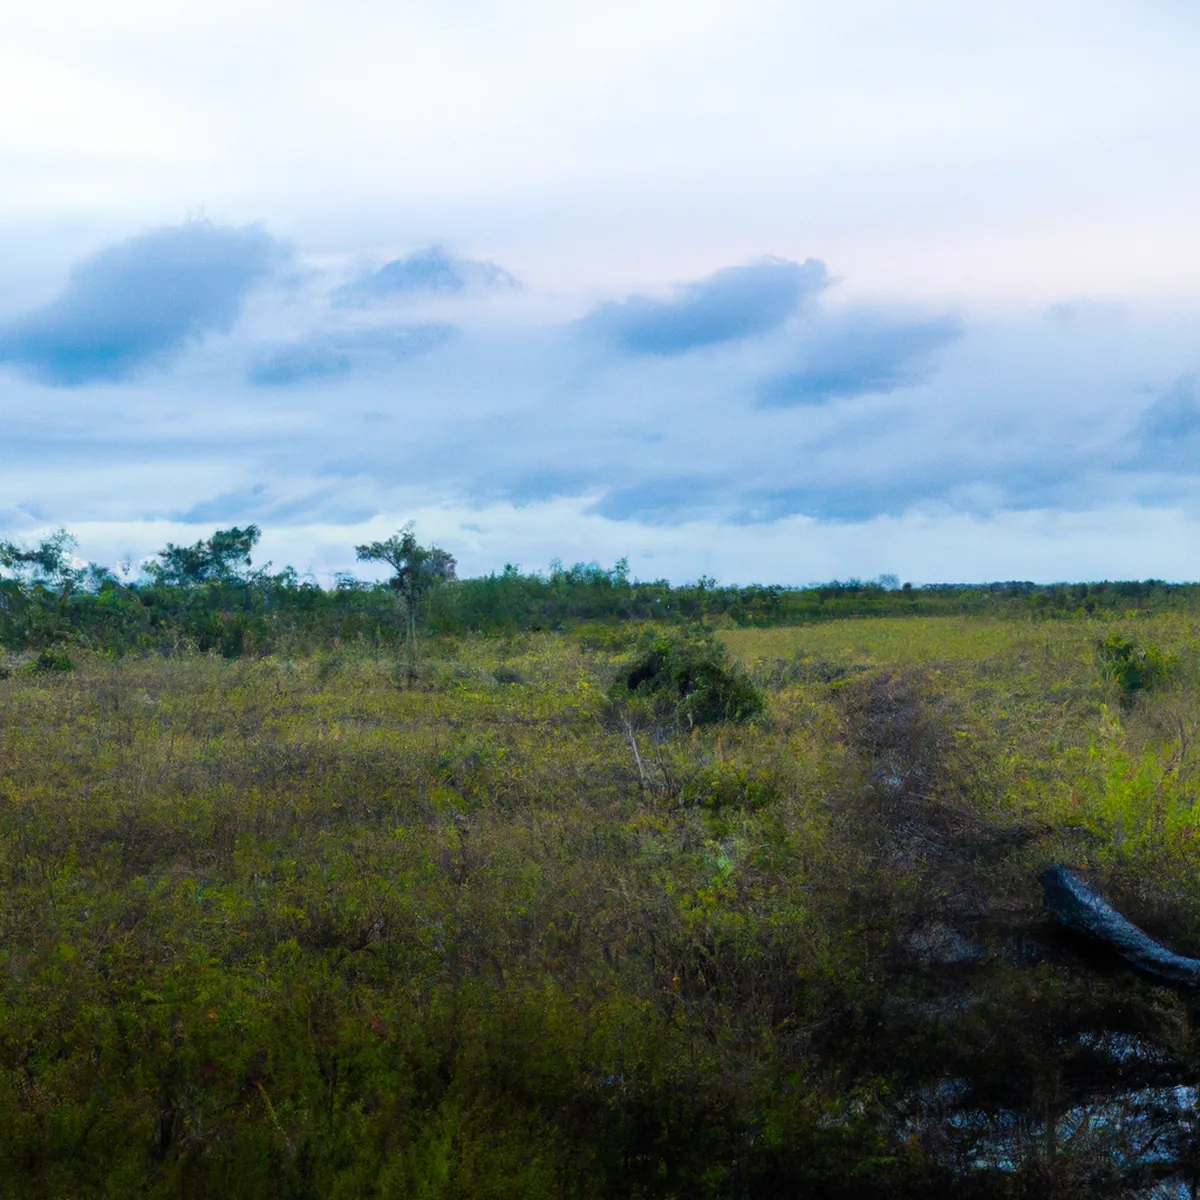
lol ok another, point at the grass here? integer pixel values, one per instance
(288, 927)
(891, 642)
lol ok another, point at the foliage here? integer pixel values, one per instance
(49, 562)
(50, 660)
(416, 567)
(691, 674)
(206, 597)
(1130, 666)
(216, 559)
(418, 570)
(270, 926)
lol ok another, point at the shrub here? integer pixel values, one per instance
(691, 675)
(1131, 667)
(50, 660)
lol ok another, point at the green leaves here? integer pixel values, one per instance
(417, 568)
(217, 559)
(274, 927)
(1132, 667)
(691, 677)
(51, 662)
(50, 562)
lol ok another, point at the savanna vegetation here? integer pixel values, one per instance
(566, 885)
(207, 598)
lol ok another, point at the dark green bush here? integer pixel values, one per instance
(50, 660)
(692, 675)
(1132, 667)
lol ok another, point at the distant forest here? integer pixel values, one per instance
(207, 598)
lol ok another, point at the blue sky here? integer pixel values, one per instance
(775, 291)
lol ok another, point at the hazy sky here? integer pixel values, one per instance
(767, 291)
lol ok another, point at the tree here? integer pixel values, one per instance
(418, 570)
(50, 563)
(214, 560)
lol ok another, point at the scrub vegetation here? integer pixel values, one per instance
(604, 892)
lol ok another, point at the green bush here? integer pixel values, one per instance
(1131, 667)
(49, 661)
(693, 677)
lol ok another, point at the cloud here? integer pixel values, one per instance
(746, 493)
(296, 501)
(315, 418)
(430, 271)
(861, 358)
(963, 482)
(1175, 416)
(538, 484)
(328, 356)
(1166, 433)
(139, 302)
(228, 506)
(735, 303)
(667, 500)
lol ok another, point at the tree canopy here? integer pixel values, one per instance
(416, 567)
(215, 558)
(50, 561)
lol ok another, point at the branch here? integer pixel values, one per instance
(1075, 905)
(636, 755)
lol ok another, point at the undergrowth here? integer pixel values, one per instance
(307, 927)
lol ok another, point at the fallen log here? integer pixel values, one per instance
(1072, 903)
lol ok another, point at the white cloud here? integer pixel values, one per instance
(632, 143)
(563, 435)
(958, 166)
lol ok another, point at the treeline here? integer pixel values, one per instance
(206, 597)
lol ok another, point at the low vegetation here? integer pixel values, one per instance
(631, 908)
(206, 597)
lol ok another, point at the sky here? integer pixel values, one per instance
(781, 291)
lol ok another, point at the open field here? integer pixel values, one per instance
(891, 642)
(292, 927)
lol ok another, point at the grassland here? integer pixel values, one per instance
(292, 927)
